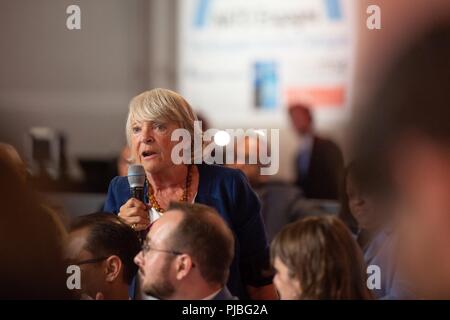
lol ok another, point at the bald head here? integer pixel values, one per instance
(163, 229)
(250, 158)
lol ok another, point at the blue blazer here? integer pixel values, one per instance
(227, 190)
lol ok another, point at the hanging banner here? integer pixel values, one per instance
(260, 55)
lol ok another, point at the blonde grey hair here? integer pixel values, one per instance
(161, 105)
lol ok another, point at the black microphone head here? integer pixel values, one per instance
(136, 176)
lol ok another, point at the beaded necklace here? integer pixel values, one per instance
(184, 197)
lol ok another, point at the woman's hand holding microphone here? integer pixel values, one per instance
(135, 213)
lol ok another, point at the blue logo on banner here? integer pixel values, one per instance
(266, 85)
(333, 8)
(201, 13)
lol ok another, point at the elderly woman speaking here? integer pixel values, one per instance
(152, 117)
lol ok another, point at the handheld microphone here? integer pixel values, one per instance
(136, 180)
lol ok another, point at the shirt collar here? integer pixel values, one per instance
(211, 296)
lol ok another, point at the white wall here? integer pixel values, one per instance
(76, 81)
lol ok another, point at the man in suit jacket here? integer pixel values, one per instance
(319, 162)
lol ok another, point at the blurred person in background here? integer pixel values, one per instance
(152, 117)
(103, 247)
(405, 126)
(31, 242)
(319, 162)
(277, 198)
(187, 255)
(281, 202)
(12, 157)
(366, 200)
(243, 153)
(10, 154)
(317, 258)
(123, 161)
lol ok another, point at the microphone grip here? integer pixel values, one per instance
(138, 193)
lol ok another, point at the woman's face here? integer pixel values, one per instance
(362, 206)
(151, 145)
(288, 287)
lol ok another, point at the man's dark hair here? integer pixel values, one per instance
(109, 235)
(205, 236)
(303, 107)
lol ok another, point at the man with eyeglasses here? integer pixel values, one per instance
(187, 255)
(103, 247)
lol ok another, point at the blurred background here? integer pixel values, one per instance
(64, 93)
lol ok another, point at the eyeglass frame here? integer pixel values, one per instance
(145, 248)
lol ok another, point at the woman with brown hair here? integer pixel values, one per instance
(317, 258)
